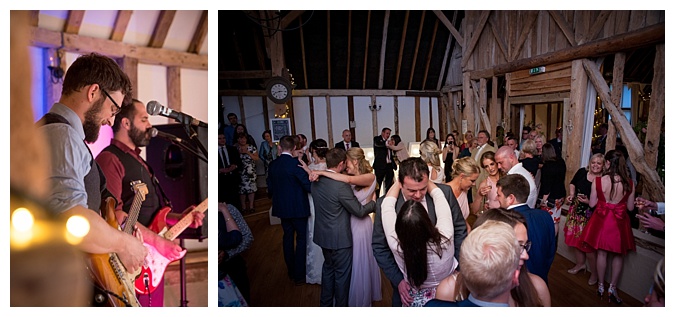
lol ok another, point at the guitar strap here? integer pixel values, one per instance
(155, 182)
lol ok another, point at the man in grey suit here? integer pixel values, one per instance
(413, 175)
(333, 202)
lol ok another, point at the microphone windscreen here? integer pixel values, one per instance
(153, 108)
(153, 132)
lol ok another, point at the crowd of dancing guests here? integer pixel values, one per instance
(338, 232)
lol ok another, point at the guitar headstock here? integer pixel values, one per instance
(139, 188)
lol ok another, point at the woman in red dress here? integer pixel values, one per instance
(609, 229)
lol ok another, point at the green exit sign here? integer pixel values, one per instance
(537, 70)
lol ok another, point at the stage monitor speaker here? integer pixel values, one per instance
(181, 174)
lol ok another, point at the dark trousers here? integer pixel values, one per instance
(228, 189)
(335, 277)
(386, 174)
(295, 254)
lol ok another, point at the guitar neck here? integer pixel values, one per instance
(185, 222)
(133, 214)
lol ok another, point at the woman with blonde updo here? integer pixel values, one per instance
(429, 153)
(365, 281)
(465, 171)
(528, 153)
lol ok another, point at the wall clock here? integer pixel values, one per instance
(279, 89)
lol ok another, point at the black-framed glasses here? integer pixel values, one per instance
(526, 246)
(116, 108)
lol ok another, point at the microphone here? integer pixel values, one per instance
(155, 108)
(154, 132)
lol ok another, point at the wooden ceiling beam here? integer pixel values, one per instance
(383, 49)
(304, 61)
(240, 56)
(34, 17)
(431, 50)
(365, 55)
(244, 74)
(598, 25)
(120, 26)
(476, 35)
(289, 18)
(74, 21)
(564, 27)
(498, 39)
(161, 28)
(630, 140)
(417, 48)
(328, 46)
(450, 26)
(447, 53)
(650, 35)
(617, 91)
(349, 46)
(400, 49)
(527, 27)
(84, 44)
(259, 49)
(200, 34)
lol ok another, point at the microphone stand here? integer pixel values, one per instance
(190, 131)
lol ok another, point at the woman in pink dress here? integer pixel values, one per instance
(609, 229)
(465, 171)
(487, 189)
(365, 286)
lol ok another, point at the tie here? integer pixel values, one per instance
(347, 146)
(224, 156)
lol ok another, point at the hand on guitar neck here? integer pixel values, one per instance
(197, 217)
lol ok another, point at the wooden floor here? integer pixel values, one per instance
(271, 287)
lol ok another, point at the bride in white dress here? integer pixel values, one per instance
(318, 149)
(365, 284)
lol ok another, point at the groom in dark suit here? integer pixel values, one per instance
(288, 184)
(413, 175)
(512, 192)
(333, 202)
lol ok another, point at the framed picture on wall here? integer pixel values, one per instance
(280, 128)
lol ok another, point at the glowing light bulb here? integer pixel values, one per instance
(78, 226)
(22, 219)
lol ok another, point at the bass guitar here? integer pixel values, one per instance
(114, 285)
(155, 263)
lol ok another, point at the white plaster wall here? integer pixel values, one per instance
(363, 119)
(339, 116)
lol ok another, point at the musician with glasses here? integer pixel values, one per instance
(93, 88)
(121, 163)
(512, 193)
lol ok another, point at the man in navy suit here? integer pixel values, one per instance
(512, 191)
(346, 142)
(288, 185)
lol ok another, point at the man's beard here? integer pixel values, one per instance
(91, 127)
(138, 137)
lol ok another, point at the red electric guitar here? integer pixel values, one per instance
(155, 263)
